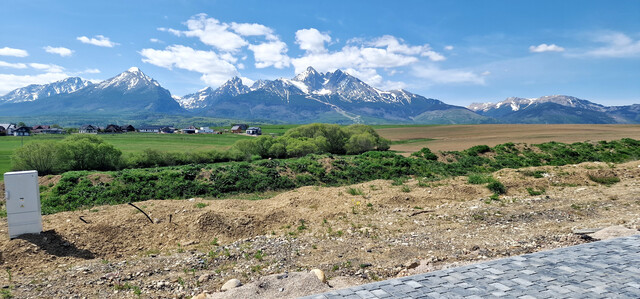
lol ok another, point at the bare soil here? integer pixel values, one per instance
(196, 245)
(460, 137)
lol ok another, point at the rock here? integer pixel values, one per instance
(230, 284)
(613, 232)
(319, 274)
(203, 278)
(200, 296)
(412, 264)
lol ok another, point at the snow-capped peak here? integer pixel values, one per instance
(131, 79)
(36, 91)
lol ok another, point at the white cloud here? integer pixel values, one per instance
(448, 48)
(155, 40)
(448, 76)
(98, 40)
(6, 51)
(13, 65)
(253, 29)
(546, 48)
(617, 45)
(395, 45)
(9, 82)
(62, 51)
(311, 40)
(92, 71)
(270, 54)
(212, 32)
(51, 68)
(214, 69)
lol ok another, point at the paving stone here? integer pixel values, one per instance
(603, 269)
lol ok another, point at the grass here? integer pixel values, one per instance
(604, 180)
(355, 191)
(130, 143)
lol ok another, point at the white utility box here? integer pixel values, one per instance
(22, 196)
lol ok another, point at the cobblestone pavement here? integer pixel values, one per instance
(603, 269)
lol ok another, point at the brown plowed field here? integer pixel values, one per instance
(460, 137)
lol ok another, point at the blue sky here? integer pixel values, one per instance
(456, 51)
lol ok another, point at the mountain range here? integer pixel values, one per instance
(310, 96)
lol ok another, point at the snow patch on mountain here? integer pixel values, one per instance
(37, 91)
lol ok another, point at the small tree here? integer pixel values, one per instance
(41, 156)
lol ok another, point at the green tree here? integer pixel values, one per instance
(89, 152)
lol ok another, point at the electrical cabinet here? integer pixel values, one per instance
(22, 196)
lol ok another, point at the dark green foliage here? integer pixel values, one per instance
(425, 153)
(75, 190)
(534, 192)
(497, 187)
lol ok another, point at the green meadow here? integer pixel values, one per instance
(129, 143)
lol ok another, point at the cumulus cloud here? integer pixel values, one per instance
(312, 40)
(12, 65)
(6, 51)
(545, 48)
(52, 68)
(270, 54)
(447, 76)
(383, 52)
(212, 32)
(98, 40)
(214, 69)
(253, 29)
(9, 82)
(617, 45)
(62, 51)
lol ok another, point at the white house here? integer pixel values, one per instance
(205, 130)
(7, 129)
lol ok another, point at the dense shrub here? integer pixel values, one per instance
(76, 190)
(42, 156)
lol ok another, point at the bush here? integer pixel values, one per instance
(497, 187)
(478, 179)
(42, 156)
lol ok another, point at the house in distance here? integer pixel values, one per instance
(254, 131)
(88, 129)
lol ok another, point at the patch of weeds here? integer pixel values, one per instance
(340, 233)
(534, 192)
(259, 255)
(201, 205)
(576, 206)
(406, 189)
(369, 205)
(374, 187)
(256, 268)
(417, 208)
(398, 181)
(214, 242)
(122, 287)
(335, 268)
(536, 174)
(94, 210)
(105, 261)
(479, 179)
(302, 226)
(9, 275)
(604, 180)
(355, 191)
(478, 217)
(180, 248)
(314, 246)
(3, 213)
(6, 293)
(181, 281)
(494, 196)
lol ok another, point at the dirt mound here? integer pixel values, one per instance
(366, 231)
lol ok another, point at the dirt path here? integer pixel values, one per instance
(380, 232)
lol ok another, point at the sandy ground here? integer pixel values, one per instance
(381, 232)
(460, 137)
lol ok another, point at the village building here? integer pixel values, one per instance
(88, 129)
(128, 128)
(157, 129)
(189, 130)
(205, 130)
(112, 129)
(7, 129)
(236, 129)
(254, 131)
(22, 131)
